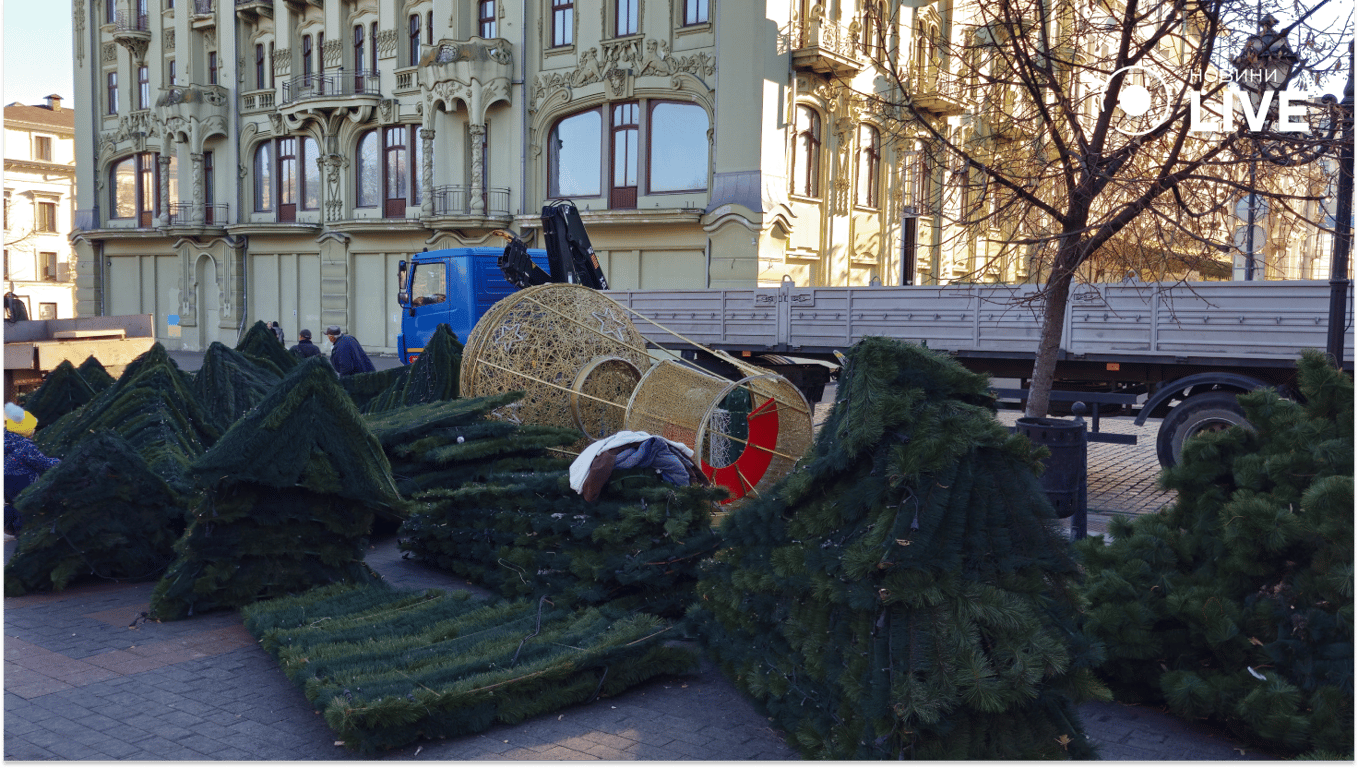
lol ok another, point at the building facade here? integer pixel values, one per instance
(40, 200)
(256, 160)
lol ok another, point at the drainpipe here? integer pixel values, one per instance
(95, 116)
(523, 104)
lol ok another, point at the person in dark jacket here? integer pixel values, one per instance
(24, 463)
(304, 348)
(348, 356)
(15, 309)
(278, 332)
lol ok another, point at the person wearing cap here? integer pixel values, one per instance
(304, 348)
(23, 461)
(348, 356)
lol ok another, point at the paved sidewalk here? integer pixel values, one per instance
(86, 680)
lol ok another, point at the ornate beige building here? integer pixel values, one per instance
(253, 159)
(39, 205)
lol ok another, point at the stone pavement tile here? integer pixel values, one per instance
(21, 749)
(30, 685)
(121, 616)
(124, 662)
(16, 649)
(562, 753)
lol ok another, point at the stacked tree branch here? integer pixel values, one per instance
(387, 668)
(905, 593)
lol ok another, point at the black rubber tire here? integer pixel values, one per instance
(1206, 412)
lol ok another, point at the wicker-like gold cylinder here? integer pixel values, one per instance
(686, 405)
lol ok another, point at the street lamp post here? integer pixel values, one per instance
(1267, 63)
(1343, 232)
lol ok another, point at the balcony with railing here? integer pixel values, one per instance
(464, 204)
(823, 46)
(336, 89)
(132, 30)
(184, 214)
(936, 90)
(127, 21)
(204, 14)
(192, 102)
(258, 101)
(251, 10)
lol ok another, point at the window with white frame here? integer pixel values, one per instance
(695, 12)
(563, 23)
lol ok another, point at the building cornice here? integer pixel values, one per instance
(637, 217)
(40, 166)
(60, 131)
(273, 228)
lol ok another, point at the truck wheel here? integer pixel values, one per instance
(1207, 412)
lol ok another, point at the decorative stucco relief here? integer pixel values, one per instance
(386, 44)
(618, 67)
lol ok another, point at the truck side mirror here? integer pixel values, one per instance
(403, 298)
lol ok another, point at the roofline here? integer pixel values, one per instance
(45, 127)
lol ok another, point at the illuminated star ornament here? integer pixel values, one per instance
(509, 413)
(610, 325)
(506, 336)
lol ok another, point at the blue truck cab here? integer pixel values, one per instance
(454, 286)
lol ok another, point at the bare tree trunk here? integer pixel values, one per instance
(1053, 325)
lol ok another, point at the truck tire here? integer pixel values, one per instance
(1206, 412)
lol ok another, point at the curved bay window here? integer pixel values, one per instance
(676, 157)
(806, 153)
(133, 182)
(386, 169)
(869, 167)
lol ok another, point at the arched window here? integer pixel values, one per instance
(306, 60)
(367, 170)
(358, 48)
(869, 166)
(396, 170)
(264, 177)
(806, 153)
(288, 182)
(574, 155)
(133, 182)
(414, 39)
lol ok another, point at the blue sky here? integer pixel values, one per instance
(37, 51)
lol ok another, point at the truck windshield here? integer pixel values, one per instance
(429, 285)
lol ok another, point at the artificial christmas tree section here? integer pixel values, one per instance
(261, 343)
(906, 591)
(290, 493)
(153, 406)
(94, 374)
(445, 444)
(100, 512)
(253, 542)
(232, 383)
(431, 378)
(641, 543)
(1235, 603)
(63, 390)
(389, 667)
